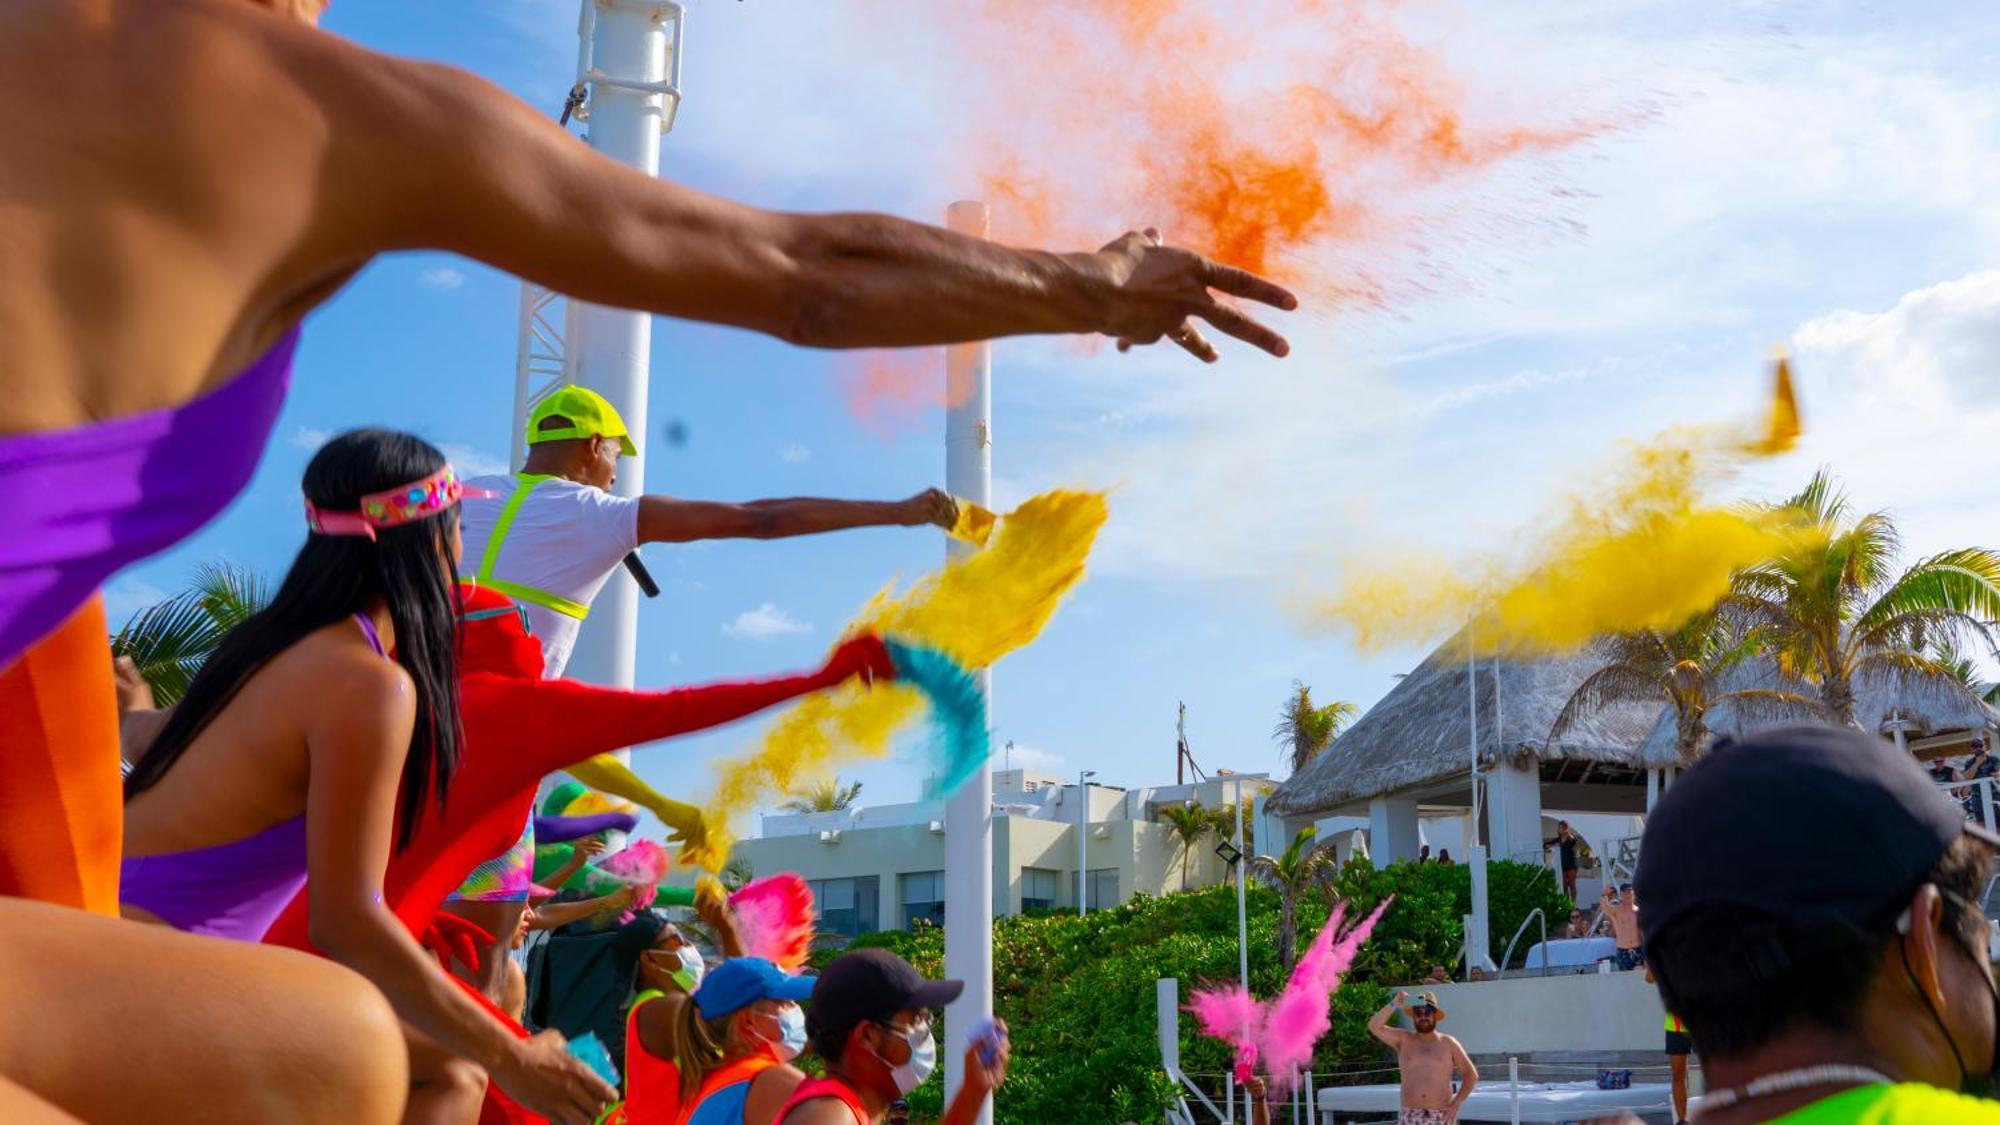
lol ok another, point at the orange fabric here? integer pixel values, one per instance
(728, 1074)
(62, 805)
(652, 1084)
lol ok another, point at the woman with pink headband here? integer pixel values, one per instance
(317, 738)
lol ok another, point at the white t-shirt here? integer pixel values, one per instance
(567, 538)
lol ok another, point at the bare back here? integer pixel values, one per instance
(250, 768)
(161, 183)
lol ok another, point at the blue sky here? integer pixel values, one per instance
(1805, 172)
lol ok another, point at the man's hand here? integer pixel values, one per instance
(982, 1077)
(134, 693)
(1158, 291)
(1403, 1000)
(544, 1077)
(932, 506)
(588, 848)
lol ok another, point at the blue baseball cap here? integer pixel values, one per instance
(741, 981)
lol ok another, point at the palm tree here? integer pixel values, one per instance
(1962, 668)
(1304, 866)
(1684, 669)
(1832, 610)
(170, 640)
(737, 874)
(1304, 729)
(823, 796)
(1190, 822)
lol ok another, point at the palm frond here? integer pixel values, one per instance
(169, 641)
(231, 593)
(1613, 683)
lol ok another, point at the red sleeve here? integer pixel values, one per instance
(517, 731)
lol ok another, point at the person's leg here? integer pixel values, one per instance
(62, 812)
(125, 1021)
(444, 1089)
(1679, 1063)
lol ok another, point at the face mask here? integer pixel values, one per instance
(791, 1040)
(692, 969)
(923, 1059)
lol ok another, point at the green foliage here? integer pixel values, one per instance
(170, 641)
(1305, 728)
(1078, 993)
(826, 795)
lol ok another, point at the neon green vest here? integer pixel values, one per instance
(516, 590)
(1906, 1103)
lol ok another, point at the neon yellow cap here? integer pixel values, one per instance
(590, 415)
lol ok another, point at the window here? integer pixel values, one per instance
(847, 906)
(1038, 888)
(1102, 888)
(923, 898)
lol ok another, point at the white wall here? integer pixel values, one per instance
(1591, 1012)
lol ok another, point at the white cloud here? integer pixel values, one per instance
(1903, 406)
(795, 454)
(309, 438)
(763, 623)
(127, 596)
(442, 277)
(472, 462)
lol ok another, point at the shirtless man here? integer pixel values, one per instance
(1623, 911)
(1427, 1059)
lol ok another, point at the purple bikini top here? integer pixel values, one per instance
(86, 502)
(234, 890)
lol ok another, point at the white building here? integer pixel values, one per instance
(882, 867)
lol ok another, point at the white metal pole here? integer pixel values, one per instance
(613, 348)
(968, 823)
(1514, 1087)
(1082, 826)
(1243, 931)
(1477, 942)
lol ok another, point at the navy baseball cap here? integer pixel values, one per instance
(742, 981)
(1815, 823)
(872, 985)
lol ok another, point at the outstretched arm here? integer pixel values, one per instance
(552, 915)
(1378, 1024)
(664, 519)
(450, 161)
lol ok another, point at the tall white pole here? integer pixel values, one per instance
(1082, 826)
(612, 349)
(1242, 936)
(968, 820)
(1477, 942)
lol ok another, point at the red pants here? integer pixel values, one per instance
(62, 814)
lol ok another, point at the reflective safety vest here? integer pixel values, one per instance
(516, 590)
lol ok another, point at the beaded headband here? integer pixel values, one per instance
(393, 507)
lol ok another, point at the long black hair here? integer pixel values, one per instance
(333, 578)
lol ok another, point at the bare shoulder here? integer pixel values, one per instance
(334, 676)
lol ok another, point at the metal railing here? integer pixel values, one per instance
(1975, 797)
(1508, 956)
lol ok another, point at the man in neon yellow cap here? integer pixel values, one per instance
(554, 534)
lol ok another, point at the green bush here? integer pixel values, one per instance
(1078, 993)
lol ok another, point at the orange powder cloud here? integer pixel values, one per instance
(1313, 141)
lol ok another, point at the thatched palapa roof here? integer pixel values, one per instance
(1421, 731)
(1929, 705)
